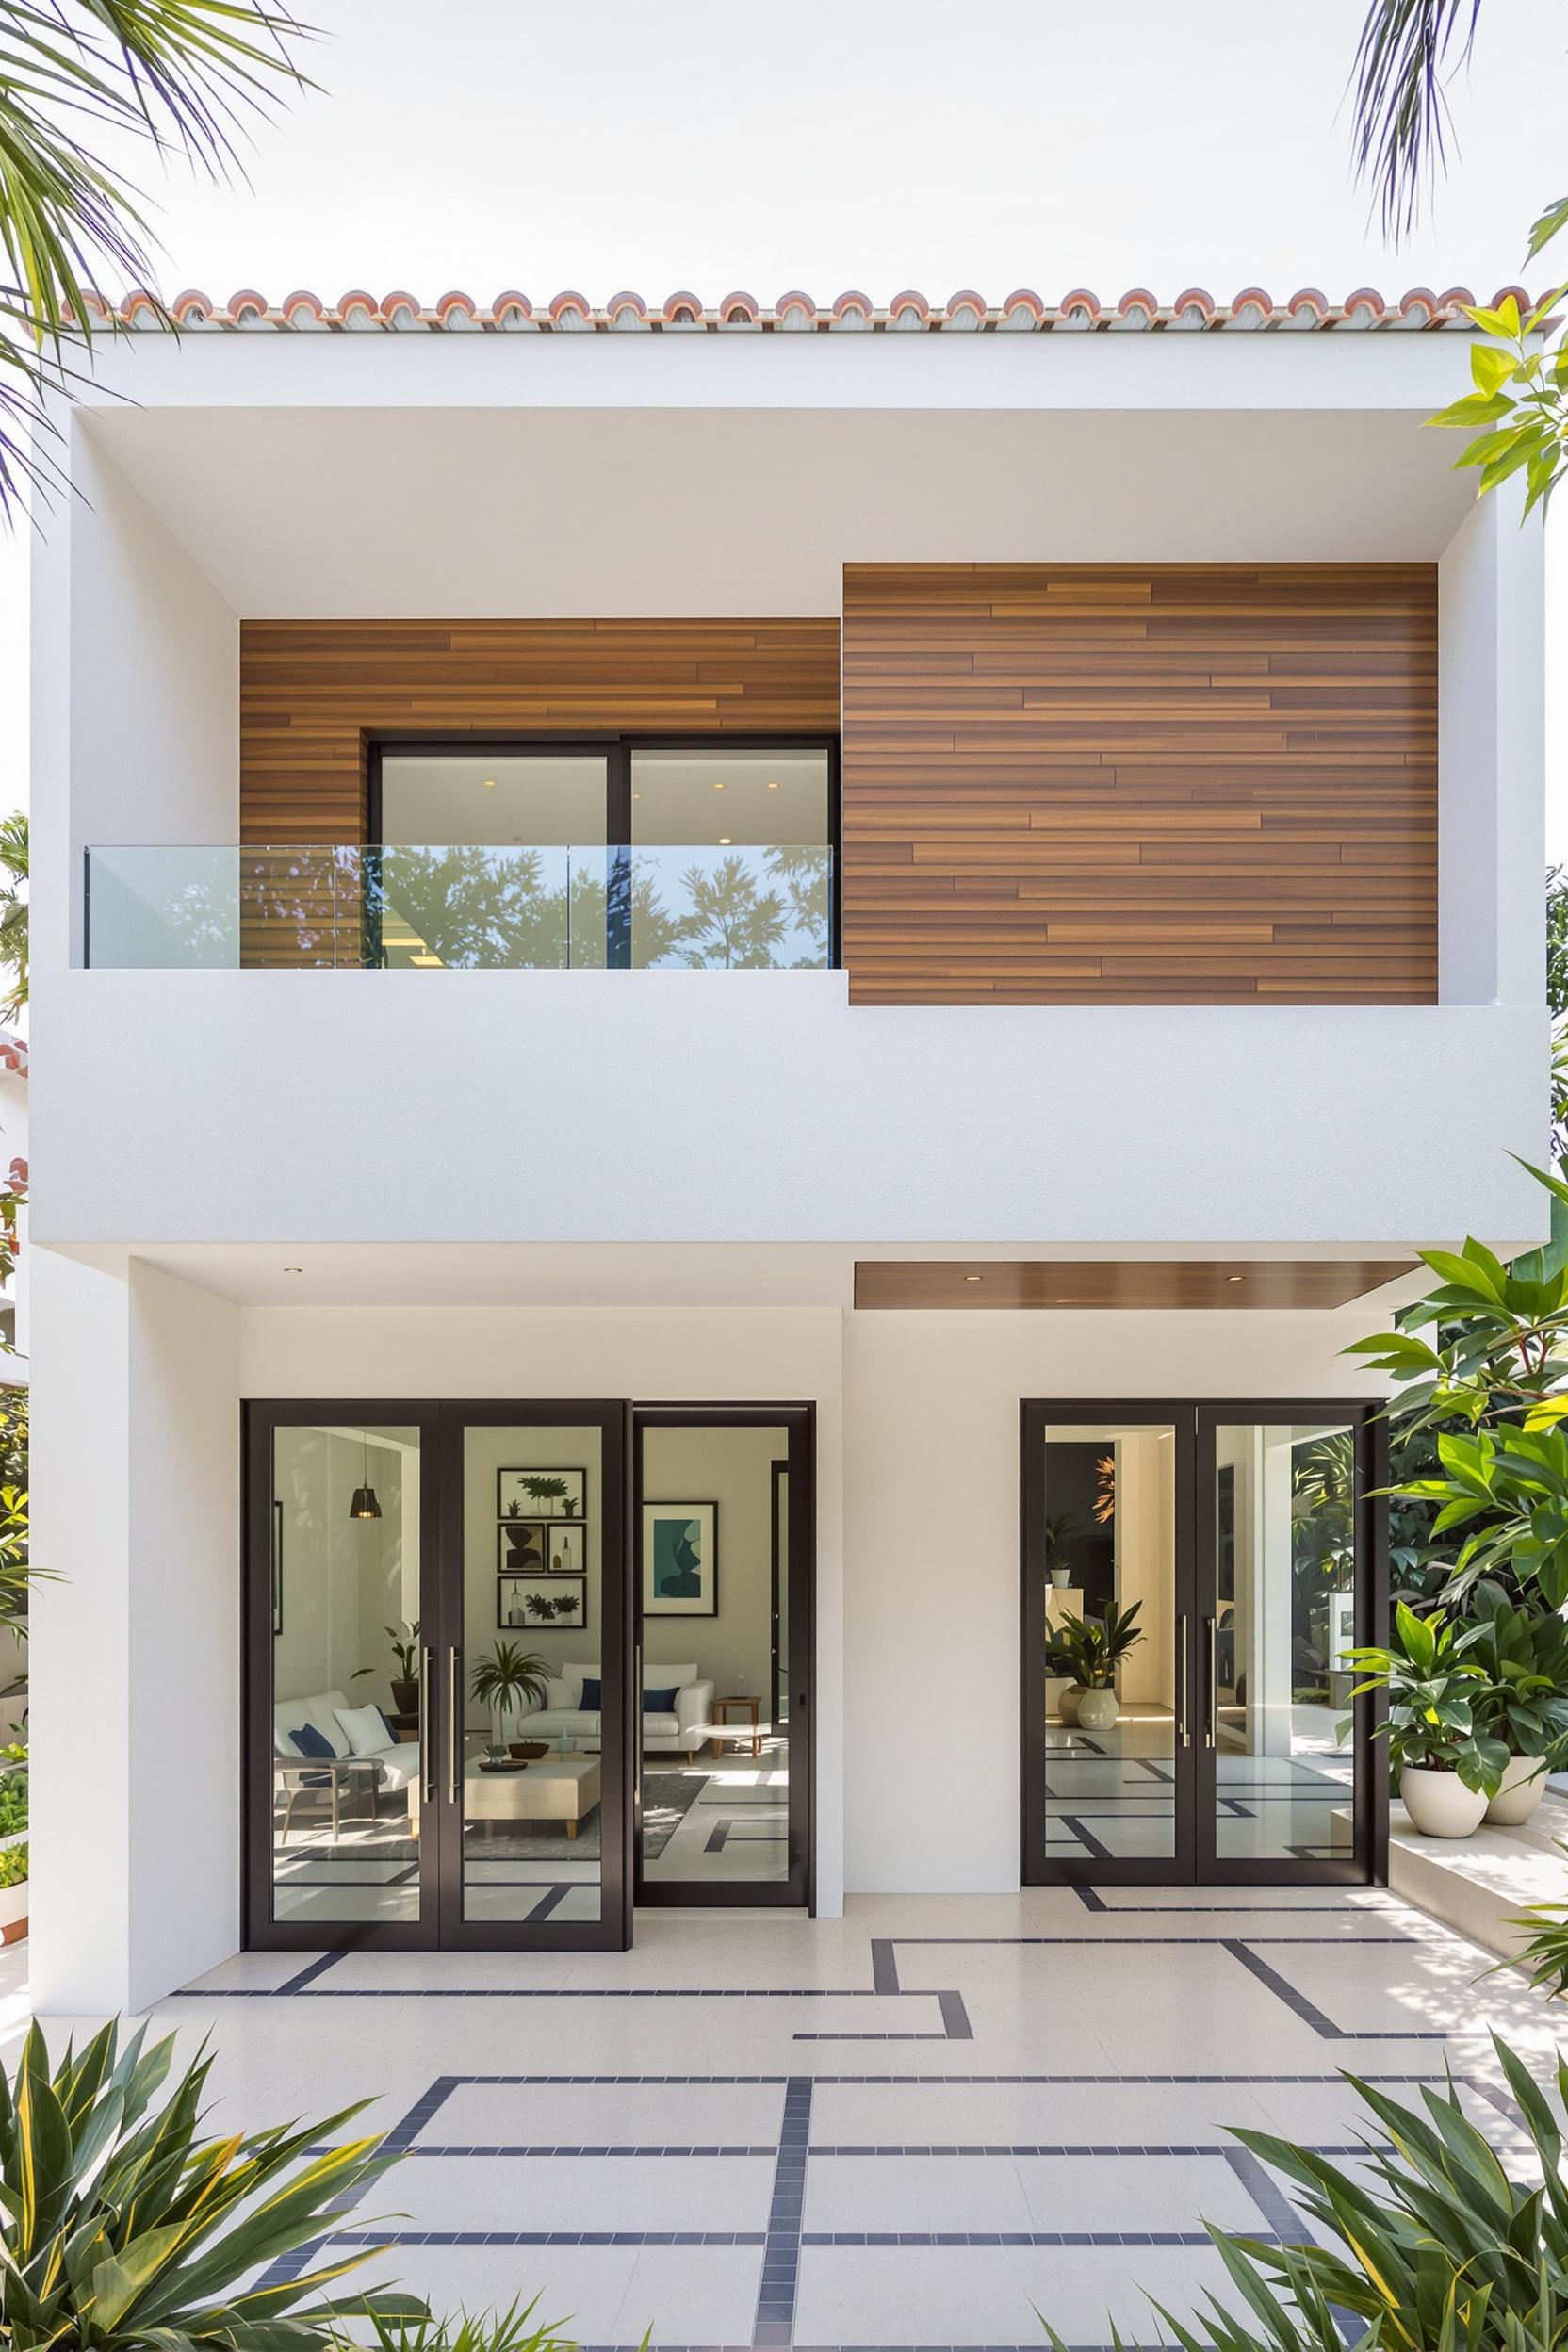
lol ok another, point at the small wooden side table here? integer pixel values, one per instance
(753, 1719)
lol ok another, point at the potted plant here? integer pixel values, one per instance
(1448, 1762)
(1089, 1650)
(405, 1682)
(1525, 1654)
(1053, 1537)
(509, 1678)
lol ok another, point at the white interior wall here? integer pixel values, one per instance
(136, 1695)
(931, 1629)
(733, 1469)
(1145, 1557)
(342, 1578)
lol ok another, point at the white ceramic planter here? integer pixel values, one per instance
(1097, 1710)
(1067, 1700)
(1522, 1785)
(13, 1913)
(1061, 1577)
(1438, 1803)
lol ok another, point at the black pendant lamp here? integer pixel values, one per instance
(364, 1504)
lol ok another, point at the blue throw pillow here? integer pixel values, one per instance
(312, 1743)
(591, 1701)
(661, 1702)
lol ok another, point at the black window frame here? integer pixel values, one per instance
(617, 751)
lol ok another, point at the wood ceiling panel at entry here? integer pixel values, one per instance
(311, 689)
(1140, 784)
(1121, 1282)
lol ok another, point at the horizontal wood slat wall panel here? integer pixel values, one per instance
(1141, 784)
(310, 689)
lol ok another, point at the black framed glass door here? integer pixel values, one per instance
(1238, 1551)
(723, 1555)
(437, 1644)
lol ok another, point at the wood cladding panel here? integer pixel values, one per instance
(1130, 1283)
(1140, 784)
(310, 690)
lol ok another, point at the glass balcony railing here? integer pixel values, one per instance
(764, 907)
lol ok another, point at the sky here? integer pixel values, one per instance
(765, 144)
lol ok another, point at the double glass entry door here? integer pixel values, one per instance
(450, 1606)
(438, 1674)
(1229, 1555)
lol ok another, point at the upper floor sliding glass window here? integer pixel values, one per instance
(490, 859)
(732, 858)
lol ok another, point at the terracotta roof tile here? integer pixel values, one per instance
(1194, 310)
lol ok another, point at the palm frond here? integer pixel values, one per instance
(186, 79)
(1408, 52)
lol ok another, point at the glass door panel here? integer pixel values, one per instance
(341, 1735)
(534, 1677)
(1281, 1554)
(1105, 1550)
(723, 1564)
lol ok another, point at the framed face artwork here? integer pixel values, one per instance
(680, 1559)
(540, 1493)
(529, 1604)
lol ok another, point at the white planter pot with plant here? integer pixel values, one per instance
(1448, 1762)
(510, 1678)
(1086, 1651)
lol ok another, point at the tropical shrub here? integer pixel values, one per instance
(14, 1866)
(123, 2230)
(1435, 2248)
(1438, 1697)
(1487, 1389)
(511, 2330)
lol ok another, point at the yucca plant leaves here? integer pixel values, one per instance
(121, 2226)
(1435, 2246)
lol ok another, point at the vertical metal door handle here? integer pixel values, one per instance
(427, 1729)
(637, 1725)
(1183, 1669)
(1211, 1737)
(454, 1725)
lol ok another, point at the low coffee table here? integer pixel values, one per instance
(553, 1788)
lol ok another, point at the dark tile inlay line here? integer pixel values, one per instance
(308, 1974)
(774, 2325)
(546, 2237)
(1016, 2237)
(1308, 2011)
(396, 2142)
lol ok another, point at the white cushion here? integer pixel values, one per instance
(660, 1726)
(668, 1677)
(576, 1677)
(364, 1729)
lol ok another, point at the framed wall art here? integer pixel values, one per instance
(680, 1559)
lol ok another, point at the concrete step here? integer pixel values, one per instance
(1481, 1884)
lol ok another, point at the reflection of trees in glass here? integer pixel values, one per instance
(477, 909)
(806, 874)
(1322, 1549)
(733, 924)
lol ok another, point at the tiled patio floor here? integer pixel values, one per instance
(906, 2128)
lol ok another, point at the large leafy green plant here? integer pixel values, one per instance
(1438, 1697)
(1488, 1389)
(1524, 1656)
(1435, 2248)
(1088, 1650)
(123, 2230)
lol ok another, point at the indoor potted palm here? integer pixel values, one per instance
(1053, 1537)
(1448, 1762)
(509, 1678)
(1087, 1651)
(405, 1682)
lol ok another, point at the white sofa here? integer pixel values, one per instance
(396, 1763)
(561, 1714)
